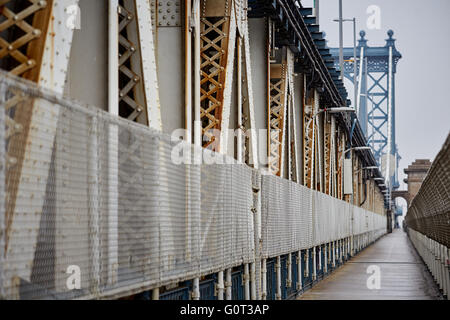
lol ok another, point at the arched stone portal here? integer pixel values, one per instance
(417, 171)
(401, 194)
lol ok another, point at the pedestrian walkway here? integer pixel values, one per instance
(402, 274)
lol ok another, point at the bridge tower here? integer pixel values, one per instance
(376, 69)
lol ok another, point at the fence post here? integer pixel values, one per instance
(220, 285)
(278, 271)
(264, 279)
(228, 285)
(299, 270)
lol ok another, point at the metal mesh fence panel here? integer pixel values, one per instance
(286, 216)
(429, 212)
(95, 206)
(317, 218)
(114, 204)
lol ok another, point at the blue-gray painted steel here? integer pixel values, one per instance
(373, 116)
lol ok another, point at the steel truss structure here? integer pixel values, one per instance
(376, 102)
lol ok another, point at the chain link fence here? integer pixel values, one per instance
(429, 212)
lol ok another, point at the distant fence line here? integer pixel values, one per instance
(429, 212)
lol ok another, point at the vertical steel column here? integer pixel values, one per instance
(155, 294)
(334, 254)
(197, 77)
(113, 141)
(264, 279)
(310, 111)
(246, 282)
(239, 99)
(320, 257)
(3, 284)
(299, 271)
(257, 277)
(307, 263)
(389, 141)
(318, 158)
(253, 281)
(329, 252)
(278, 271)
(196, 289)
(361, 111)
(289, 270)
(228, 285)
(188, 69)
(220, 285)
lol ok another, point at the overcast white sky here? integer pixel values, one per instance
(422, 30)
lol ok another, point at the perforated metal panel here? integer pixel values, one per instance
(174, 221)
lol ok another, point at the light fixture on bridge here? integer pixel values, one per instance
(370, 168)
(358, 149)
(378, 179)
(331, 110)
(338, 110)
(334, 110)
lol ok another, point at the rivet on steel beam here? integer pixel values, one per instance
(18, 127)
(12, 161)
